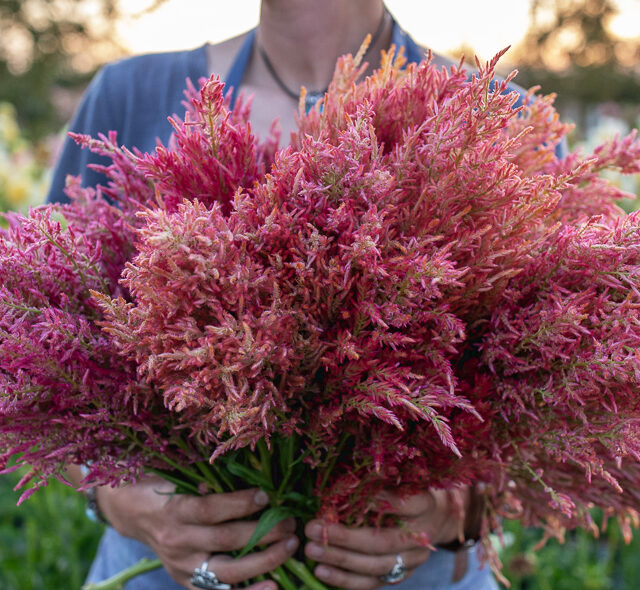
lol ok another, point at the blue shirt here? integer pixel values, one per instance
(135, 96)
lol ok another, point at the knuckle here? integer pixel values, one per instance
(276, 556)
(383, 566)
(195, 509)
(165, 537)
(436, 500)
(230, 571)
(339, 534)
(339, 558)
(385, 543)
(277, 533)
(207, 508)
(335, 577)
(416, 505)
(228, 538)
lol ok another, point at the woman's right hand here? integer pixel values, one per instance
(185, 530)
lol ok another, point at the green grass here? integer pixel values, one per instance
(47, 543)
(582, 562)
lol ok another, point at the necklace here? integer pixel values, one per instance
(312, 98)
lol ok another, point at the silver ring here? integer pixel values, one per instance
(206, 579)
(397, 573)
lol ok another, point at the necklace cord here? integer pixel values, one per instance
(315, 96)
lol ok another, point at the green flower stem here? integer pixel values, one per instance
(189, 474)
(175, 480)
(286, 462)
(33, 310)
(207, 470)
(332, 462)
(265, 459)
(280, 576)
(304, 575)
(222, 474)
(145, 565)
(208, 475)
(118, 581)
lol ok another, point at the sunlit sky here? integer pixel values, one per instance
(487, 25)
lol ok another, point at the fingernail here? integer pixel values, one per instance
(292, 544)
(261, 498)
(314, 550)
(323, 572)
(314, 531)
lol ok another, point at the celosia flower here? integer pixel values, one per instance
(562, 347)
(66, 395)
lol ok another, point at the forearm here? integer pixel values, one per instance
(74, 475)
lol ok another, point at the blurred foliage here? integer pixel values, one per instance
(577, 32)
(49, 45)
(570, 49)
(23, 164)
(606, 563)
(40, 41)
(610, 120)
(47, 543)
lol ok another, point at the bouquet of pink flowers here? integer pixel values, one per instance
(415, 293)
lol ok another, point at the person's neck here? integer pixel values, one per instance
(304, 38)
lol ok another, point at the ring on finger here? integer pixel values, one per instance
(398, 572)
(206, 579)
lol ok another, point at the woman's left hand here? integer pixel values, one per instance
(356, 558)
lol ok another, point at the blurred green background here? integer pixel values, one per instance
(49, 49)
(48, 542)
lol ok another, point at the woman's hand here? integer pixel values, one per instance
(355, 558)
(186, 530)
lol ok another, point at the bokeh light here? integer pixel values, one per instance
(487, 26)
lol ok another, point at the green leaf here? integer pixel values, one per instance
(268, 520)
(287, 448)
(250, 476)
(310, 503)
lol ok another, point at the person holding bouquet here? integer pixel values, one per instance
(295, 44)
